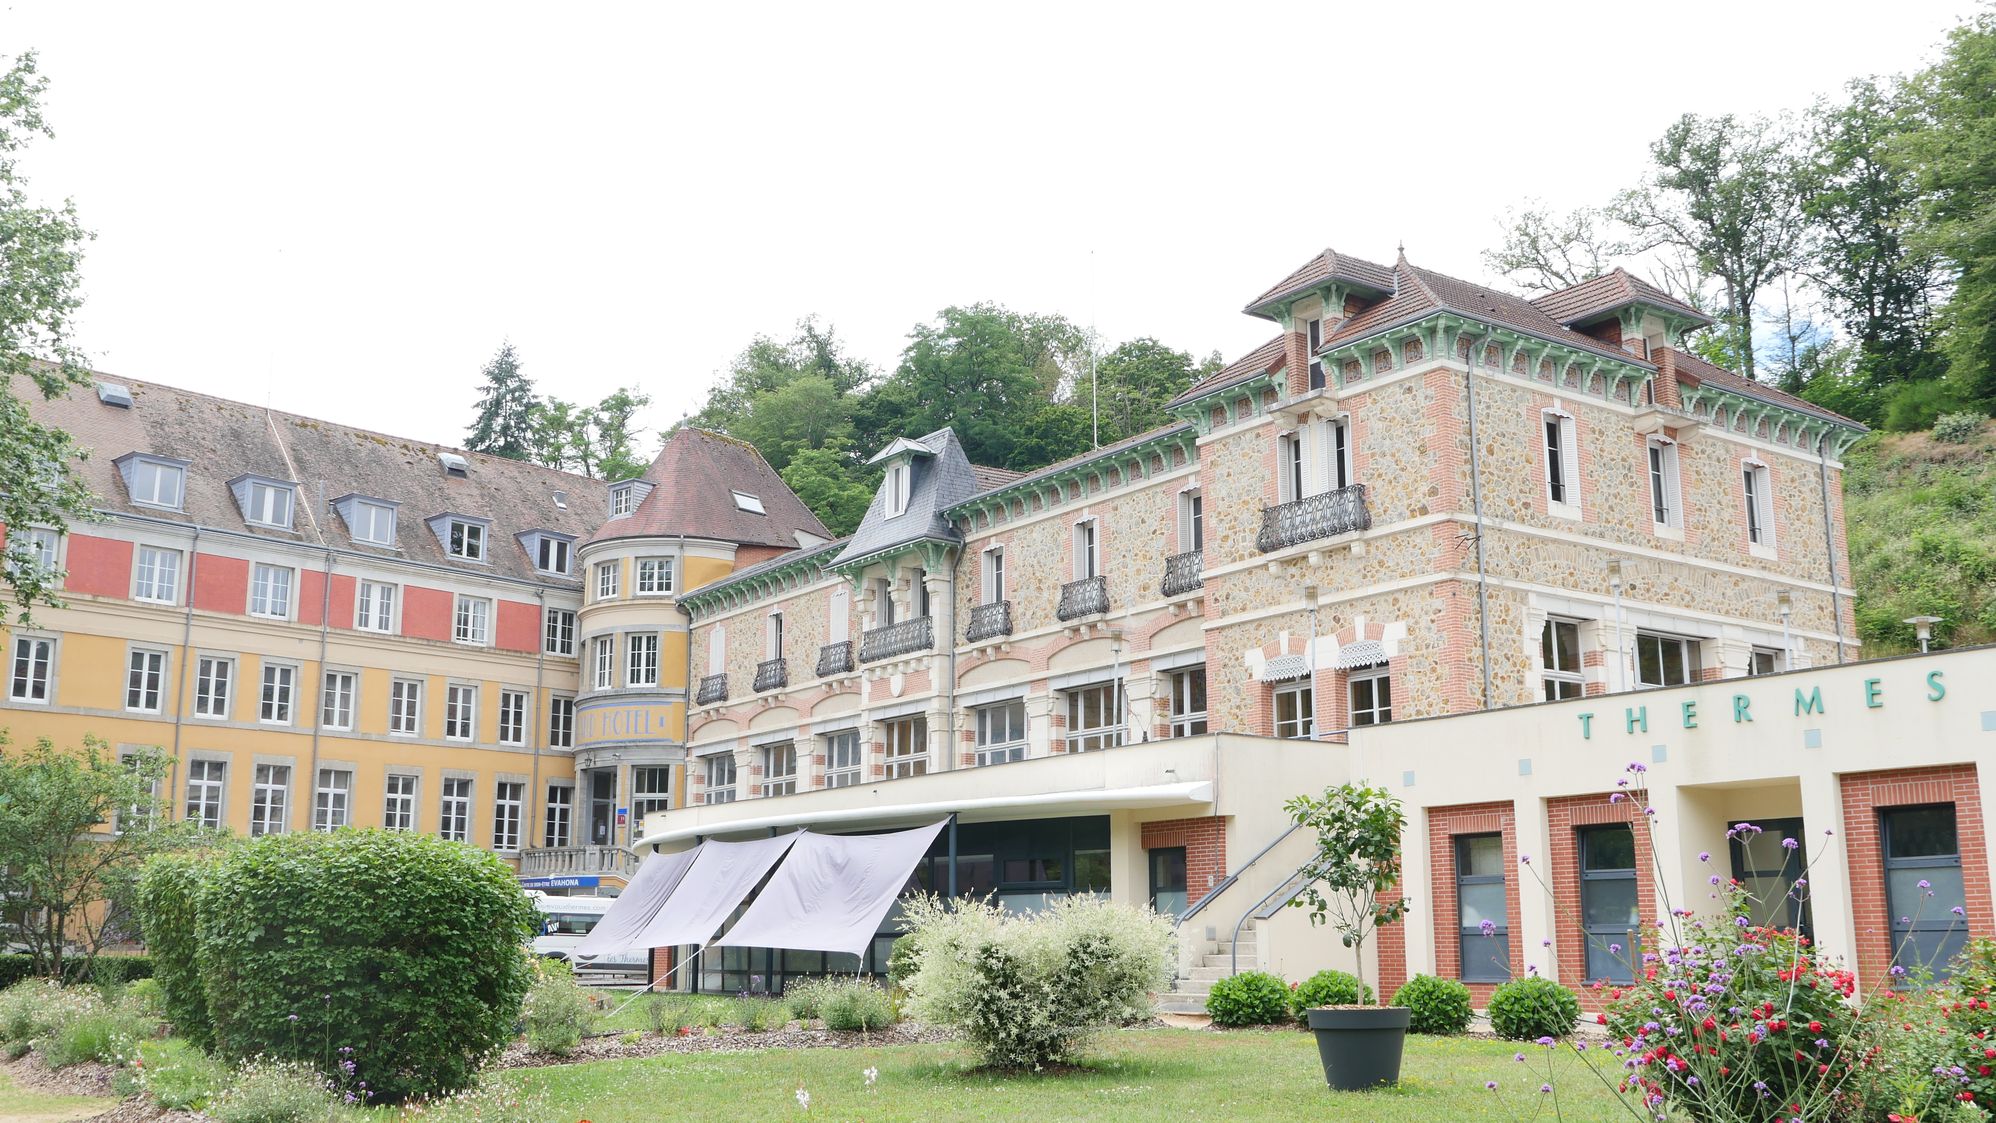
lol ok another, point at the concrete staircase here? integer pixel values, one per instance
(1211, 961)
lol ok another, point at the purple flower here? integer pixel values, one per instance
(1614, 797)
(1489, 927)
(1546, 1041)
(1704, 855)
(1926, 884)
(1545, 1089)
(291, 1017)
(1490, 1084)
(1958, 911)
(1524, 859)
(1520, 1058)
(1789, 844)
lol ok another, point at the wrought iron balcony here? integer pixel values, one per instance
(987, 620)
(1182, 572)
(897, 639)
(1085, 597)
(771, 674)
(1319, 516)
(713, 688)
(835, 658)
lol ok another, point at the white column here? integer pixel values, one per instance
(1535, 905)
(1829, 866)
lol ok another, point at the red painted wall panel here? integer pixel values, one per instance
(311, 595)
(342, 610)
(100, 567)
(426, 612)
(519, 625)
(221, 584)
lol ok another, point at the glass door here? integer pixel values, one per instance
(602, 806)
(1768, 869)
(1167, 880)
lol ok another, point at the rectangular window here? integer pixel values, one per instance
(1087, 559)
(1765, 661)
(1337, 452)
(994, 575)
(1665, 660)
(1610, 915)
(1371, 696)
(204, 791)
(509, 799)
(641, 659)
(620, 500)
(1559, 650)
(398, 810)
(270, 591)
(606, 662)
(779, 769)
(270, 791)
(721, 778)
(137, 816)
(654, 576)
(214, 682)
(1191, 522)
(552, 558)
(156, 575)
(772, 636)
(157, 485)
(1923, 886)
(651, 792)
(454, 812)
(373, 523)
(1314, 339)
(1484, 923)
(280, 684)
(1289, 466)
(31, 669)
(1095, 717)
(269, 505)
(561, 723)
(32, 551)
(1560, 453)
(1001, 733)
(842, 759)
(1759, 493)
(558, 638)
(1188, 702)
(145, 675)
(466, 540)
(1663, 483)
(606, 580)
(512, 717)
(1296, 710)
(332, 802)
(405, 707)
(883, 604)
(560, 824)
(474, 621)
(838, 613)
(460, 712)
(896, 487)
(907, 741)
(336, 702)
(374, 606)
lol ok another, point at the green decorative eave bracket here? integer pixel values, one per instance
(935, 553)
(733, 592)
(1093, 468)
(1199, 410)
(1834, 437)
(1439, 332)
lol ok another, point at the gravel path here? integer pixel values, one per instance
(726, 1040)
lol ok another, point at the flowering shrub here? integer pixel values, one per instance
(1533, 1007)
(33, 1008)
(267, 1091)
(854, 1004)
(1328, 988)
(1251, 998)
(173, 1073)
(1028, 990)
(1438, 1006)
(491, 1100)
(556, 1011)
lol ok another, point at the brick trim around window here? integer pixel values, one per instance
(1865, 794)
(1444, 824)
(1563, 818)
(1205, 843)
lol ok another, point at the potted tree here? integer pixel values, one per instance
(1358, 858)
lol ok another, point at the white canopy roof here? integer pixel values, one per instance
(626, 918)
(720, 877)
(832, 891)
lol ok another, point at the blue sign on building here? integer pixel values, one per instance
(586, 881)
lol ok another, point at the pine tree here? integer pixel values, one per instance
(505, 425)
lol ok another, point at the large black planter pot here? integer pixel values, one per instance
(1360, 1048)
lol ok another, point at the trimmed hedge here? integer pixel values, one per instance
(1533, 1007)
(165, 902)
(1251, 998)
(1328, 988)
(111, 969)
(1439, 1006)
(403, 948)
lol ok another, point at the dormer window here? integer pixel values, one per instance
(900, 477)
(620, 500)
(373, 523)
(750, 503)
(552, 553)
(462, 536)
(154, 481)
(264, 502)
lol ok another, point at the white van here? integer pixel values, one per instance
(565, 920)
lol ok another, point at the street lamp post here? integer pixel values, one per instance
(1923, 626)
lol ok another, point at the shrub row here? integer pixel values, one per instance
(1523, 1009)
(105, 969)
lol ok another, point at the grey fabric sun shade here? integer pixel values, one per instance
(831, 892)
(712, 889)
(638, 906)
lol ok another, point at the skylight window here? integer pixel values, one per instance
(750, 503)
(115, 394)
(454, 464)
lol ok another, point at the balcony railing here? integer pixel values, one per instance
(1319, 516)
(713, 688)
(1085, 597)
(560, 861)
(1182, 572)
(897, 639)
(771, 674)
(835, 658)
(987, 620)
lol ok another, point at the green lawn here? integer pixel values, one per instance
(1136, 1075)
(20, 1105)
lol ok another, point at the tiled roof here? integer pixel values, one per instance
(1611, 290)
(697, 474)
(989, 479)
(822, 554)
(1693, 369)
(1265, 359)
(223, 439)
(1423, 290)
(1330, 265)
(941, 480)
(1105, 451)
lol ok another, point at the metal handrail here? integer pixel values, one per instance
(915, 634)
(1325, 515)
(1228, 881)
(713, 688)
(1289, 883)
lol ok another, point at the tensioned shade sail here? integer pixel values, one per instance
(627, 916)
(712, 889)
(831, 892)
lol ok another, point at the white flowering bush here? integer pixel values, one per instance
(1029, 989)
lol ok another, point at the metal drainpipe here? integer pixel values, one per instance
(534, 740)
(949, 720)
(325, 627)
(686, 697)
(1830, 542)
(1476, 505)
(186, 657)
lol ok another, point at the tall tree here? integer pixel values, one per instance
(807, 412)
(1725, 191)
(1135, 381)
(982, 370)
(613, 424)
(561, 437)
(1544, 251)
(506, 404)
(40, 250)
(832, 484)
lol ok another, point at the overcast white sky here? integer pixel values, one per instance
(343, 209)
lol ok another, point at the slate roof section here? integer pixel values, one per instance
(696, 475)
(941, 481)
(224, 439)
(1330, 265)
(1611, 290)
(1692, 369)
(1265, 359)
